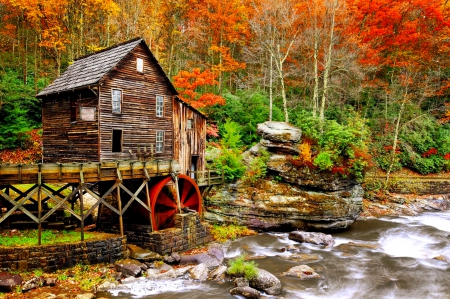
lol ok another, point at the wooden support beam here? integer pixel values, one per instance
(134, 197)
(119, 204)
(80, 192)
(147, 194)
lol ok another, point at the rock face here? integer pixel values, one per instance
(300, 198)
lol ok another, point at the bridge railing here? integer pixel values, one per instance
(207, 177)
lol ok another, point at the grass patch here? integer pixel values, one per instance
(240, 267)
(223, 233)
(11, 238)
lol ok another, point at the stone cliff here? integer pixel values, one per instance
(299, 198)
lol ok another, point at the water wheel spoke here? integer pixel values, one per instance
(186, 187)
(164, 217)
(165, 200)
(191, 202)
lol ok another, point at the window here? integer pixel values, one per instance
(159, 141)
(190, 124)
(73, 110)
(117, 141)
(159, 106)
(116, 101)
(140, 65)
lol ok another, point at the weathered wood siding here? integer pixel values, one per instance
(138, 120)
(66, 141)
(188, 142)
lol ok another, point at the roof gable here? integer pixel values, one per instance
(89, 70)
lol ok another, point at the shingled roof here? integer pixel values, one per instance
(89, 70)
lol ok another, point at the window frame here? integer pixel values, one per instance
(161, 110)
(112, 100)
(190, 124)
(140, 65)
(161, 142)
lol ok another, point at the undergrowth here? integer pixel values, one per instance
(223, 233)
(10, 238)
(240, 267)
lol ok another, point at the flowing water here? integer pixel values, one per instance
(382, 258)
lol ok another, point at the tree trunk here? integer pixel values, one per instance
(270, 87)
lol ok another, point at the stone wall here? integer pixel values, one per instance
(188, 233)
(52, 257)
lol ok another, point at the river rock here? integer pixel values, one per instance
(33, 283)
(199, 272)
(8, 282)
(266, 282)
(311, 237)
(129, 268)
(141, 254)
(212, 258)
(279, 131)
(302, 272)
(50, 281)
(218, 274)
(46, 295)
(85, 296)
(241, 282)
(247, 292)
(107, 285)
(301, 257)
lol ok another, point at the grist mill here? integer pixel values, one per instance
(114, 130)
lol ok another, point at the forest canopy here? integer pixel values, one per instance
(370, 74)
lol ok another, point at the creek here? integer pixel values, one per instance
(390, 257)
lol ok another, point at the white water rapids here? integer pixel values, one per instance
(382, 258)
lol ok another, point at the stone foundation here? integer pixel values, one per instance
(52, 257)
(188, 233)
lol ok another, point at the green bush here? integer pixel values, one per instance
(240, 267)
(324, 161)
(230, 164)
(257, 168)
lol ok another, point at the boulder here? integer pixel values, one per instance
(129, 268)
(33, 283)
(266, 282)
(199, 272)
(8, 282)
(50, 281)
(142, 254)
(272, 205)
(106, 286)
(302, 272)
(282, 147)
(85, 296)
(212, 258)
(311, 237)
(218, 274)
(241, 282)
(247, 292)
(279, 131)
(301, 257)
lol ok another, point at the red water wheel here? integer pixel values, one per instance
(163, 200)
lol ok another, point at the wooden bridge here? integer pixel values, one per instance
(41, 200)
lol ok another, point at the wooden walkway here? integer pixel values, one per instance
(79, 179)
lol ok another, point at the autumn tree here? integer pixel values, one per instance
(275, 27)
(407, 41)
(189, 85)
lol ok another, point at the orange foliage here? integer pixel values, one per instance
(187, 84)
(31, 154)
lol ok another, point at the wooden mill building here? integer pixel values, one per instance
(107, 104)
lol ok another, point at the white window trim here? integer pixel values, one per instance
(112, 100)
(156, 105)
(139, 65)
(159, 141)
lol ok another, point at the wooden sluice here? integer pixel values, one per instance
(80, 179)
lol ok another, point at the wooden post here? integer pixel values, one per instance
(119, 204)
(147, 193)
(39, 205)
(175, 177)
(80, 196)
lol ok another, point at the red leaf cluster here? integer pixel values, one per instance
(430, 152)
(31, 154)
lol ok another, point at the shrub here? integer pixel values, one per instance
(223, 233)
(230, 163)
(242, 268)
(257, 168)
